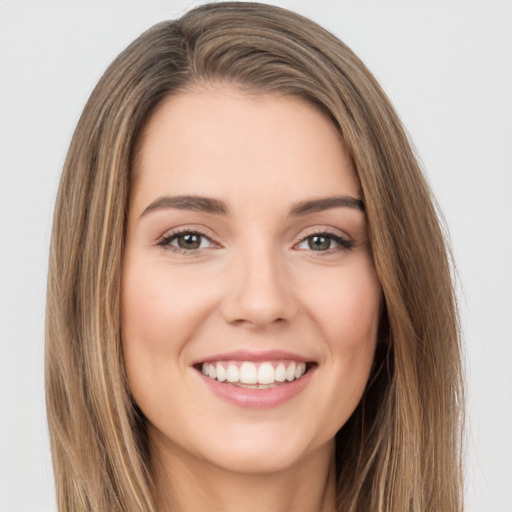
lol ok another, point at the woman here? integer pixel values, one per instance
(249, 299)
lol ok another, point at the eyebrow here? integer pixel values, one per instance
(326, 203)
(215, 206)
(197, 203)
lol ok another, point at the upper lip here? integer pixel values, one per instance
(247, 355)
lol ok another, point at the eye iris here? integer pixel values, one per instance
(189, 241)
(319, 243)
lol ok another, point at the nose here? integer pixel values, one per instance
(260, 291)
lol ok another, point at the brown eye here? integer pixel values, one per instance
(189, 241)
(186, 241)
(325, 242)
(319, 242)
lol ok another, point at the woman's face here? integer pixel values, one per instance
(246, 259)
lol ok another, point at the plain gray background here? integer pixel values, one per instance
(447, 66)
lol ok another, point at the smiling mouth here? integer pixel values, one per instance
(254, 375)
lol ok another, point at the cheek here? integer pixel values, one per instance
(157, 318)
(346, 309)
(346, 304)
(159, 307)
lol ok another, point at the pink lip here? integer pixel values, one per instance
(245, 355)
(257, 398)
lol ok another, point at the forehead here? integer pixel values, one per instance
(221, 142)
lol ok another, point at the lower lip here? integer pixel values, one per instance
(257, 398)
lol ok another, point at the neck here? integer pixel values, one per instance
(186, 484)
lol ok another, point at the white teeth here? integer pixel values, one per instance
(280, 373)
(290, 372)
(253, 376)
(221, 372)
(266, 374)
(299, 371)
(248, 373)
(232, 373)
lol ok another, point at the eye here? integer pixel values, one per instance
(323, 242)
(186, 241)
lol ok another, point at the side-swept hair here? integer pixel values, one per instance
(400, 450)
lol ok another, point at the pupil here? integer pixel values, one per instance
(189, 241)
(319, 243)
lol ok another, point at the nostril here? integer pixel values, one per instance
(258, 300)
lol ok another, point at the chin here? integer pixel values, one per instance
(263, 449)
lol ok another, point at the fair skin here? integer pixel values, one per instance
(274, 272)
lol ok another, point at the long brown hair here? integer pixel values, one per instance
(400, 450)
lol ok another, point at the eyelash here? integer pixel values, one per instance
(166, 241)
(343, 243)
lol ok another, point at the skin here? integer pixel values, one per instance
(254, 284)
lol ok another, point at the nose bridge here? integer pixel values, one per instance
(260, 291)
